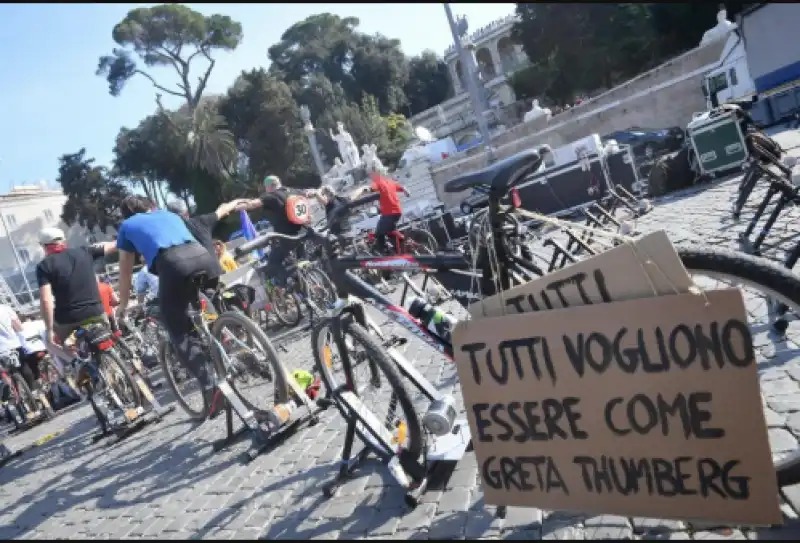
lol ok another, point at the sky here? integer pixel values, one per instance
(53, 103)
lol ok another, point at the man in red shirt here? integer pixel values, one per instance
(110, 300)
(389, 206)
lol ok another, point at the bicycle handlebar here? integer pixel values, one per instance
(338, 214)
(262, 241)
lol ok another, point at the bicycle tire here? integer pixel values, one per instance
(278, 315)
(379, 358)
(110, 359)
(166, 350)
(326, 283)
(424, 240)
(277, 370)
(24, 395)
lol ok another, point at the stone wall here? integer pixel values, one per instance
(665, 96)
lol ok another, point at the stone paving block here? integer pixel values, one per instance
(719, 534)
(645, 525)
(781, 440)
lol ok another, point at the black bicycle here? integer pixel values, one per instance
(400, 433)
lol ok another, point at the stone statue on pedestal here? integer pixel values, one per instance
(536, 112)
(370, 159)
(347, 147)
(721, 31)
(337, 171)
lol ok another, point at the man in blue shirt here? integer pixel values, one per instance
(174, 255)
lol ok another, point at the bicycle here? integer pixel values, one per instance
(102, 375)
(348, 320)
(306, 284)
(22, 406)
(232, 373)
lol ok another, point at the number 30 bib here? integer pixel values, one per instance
(298, 210)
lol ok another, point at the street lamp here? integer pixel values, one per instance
(472, 87)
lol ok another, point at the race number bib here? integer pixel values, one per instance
(298, 210)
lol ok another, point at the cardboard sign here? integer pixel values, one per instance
(621, 273)
(646, 408)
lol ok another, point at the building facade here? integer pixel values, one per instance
(495, 54)
(496, 57)
(24, 211)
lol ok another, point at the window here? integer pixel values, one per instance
(11, 220)
(732, 77)
(24, 256)
(48, 215)
(719, 82)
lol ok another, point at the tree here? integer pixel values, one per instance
(146, 157)
(428, 82)
(93, 197)
(173, 35)
(264, 119)
(168, 35)
(680, 27)
(328, 45)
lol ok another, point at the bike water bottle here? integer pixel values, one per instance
(437, 322)
(280, 414)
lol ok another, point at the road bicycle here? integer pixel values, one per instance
(399, 438)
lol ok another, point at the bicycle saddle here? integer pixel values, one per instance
(501, 175)
(396, 234)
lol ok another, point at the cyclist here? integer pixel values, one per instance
(110, 300)
(201, 226)
(145, 284)
(12, 337)
(175, 256)
(389, 205)
(225, 259)
(68, 297)
(276, 205)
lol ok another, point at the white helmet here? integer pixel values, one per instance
(51, 235)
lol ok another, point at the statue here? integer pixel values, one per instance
(536, 112)
(723, 28)
(347, 147)
(336, 172)
(370, 159)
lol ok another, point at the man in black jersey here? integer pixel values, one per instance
(68, 292)
(201, 226)
(273, 202)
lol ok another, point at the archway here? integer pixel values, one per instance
(507, 52)
(485, 63)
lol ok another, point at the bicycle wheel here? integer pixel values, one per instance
(118, 379)
(324, 291)
(25, 398)
(377, 360)
(177, 376)
(245, 364)
(421, 242)
(285, 306)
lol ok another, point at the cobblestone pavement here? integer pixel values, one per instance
(166, 482)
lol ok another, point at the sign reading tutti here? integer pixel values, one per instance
(646, 407)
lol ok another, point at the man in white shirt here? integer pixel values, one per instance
(145, 284)
(12, 338)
